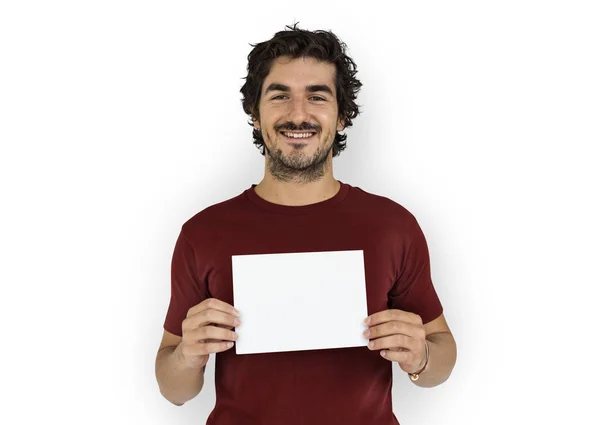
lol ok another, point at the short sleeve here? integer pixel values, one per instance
(187, 289)
(413, 291)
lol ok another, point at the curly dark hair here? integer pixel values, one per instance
(296, 43)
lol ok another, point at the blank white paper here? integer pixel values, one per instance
(299, 301)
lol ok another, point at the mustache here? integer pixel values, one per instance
(290, 126)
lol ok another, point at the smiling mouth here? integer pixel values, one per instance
(298, 136)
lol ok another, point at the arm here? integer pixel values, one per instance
(400, 337)
(442, 357)
(414, 292)
(178, 383)
(180, 361)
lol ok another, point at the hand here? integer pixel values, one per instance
(401, 336)
(208, 328)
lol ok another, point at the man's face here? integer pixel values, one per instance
(298, 97)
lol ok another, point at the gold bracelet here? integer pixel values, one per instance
(415, 376)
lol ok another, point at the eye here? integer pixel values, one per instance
(317, 97)
(278, 96)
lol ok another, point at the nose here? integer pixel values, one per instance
(298, 111)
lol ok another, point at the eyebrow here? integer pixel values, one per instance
(310, 88)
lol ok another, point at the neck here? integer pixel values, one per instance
(296, 192)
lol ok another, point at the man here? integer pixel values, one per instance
(300, 93)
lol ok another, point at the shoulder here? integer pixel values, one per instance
(383, 207)
(214, 216)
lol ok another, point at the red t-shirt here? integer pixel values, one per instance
(332, 386)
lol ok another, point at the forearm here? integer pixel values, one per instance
(442, 357)
(177, 383)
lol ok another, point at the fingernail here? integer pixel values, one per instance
(367, 320)
(371, 344)
(237, 313)
(230, 344)
(367, 333)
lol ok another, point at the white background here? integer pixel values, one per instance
(119, 120)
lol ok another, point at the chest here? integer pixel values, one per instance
(296, 236)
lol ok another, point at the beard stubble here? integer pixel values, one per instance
(297, 166)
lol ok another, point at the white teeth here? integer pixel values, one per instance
(298, 135)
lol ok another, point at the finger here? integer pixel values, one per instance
(224, 326)
(214, 304)
(210, 316)
(393, 314)
(393, 342)
(394, 327)
(213, 332)
(204, 348)
(402, 357)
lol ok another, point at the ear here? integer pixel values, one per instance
(340, 125)
(256, 122)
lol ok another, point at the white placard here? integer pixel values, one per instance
(299, 301)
